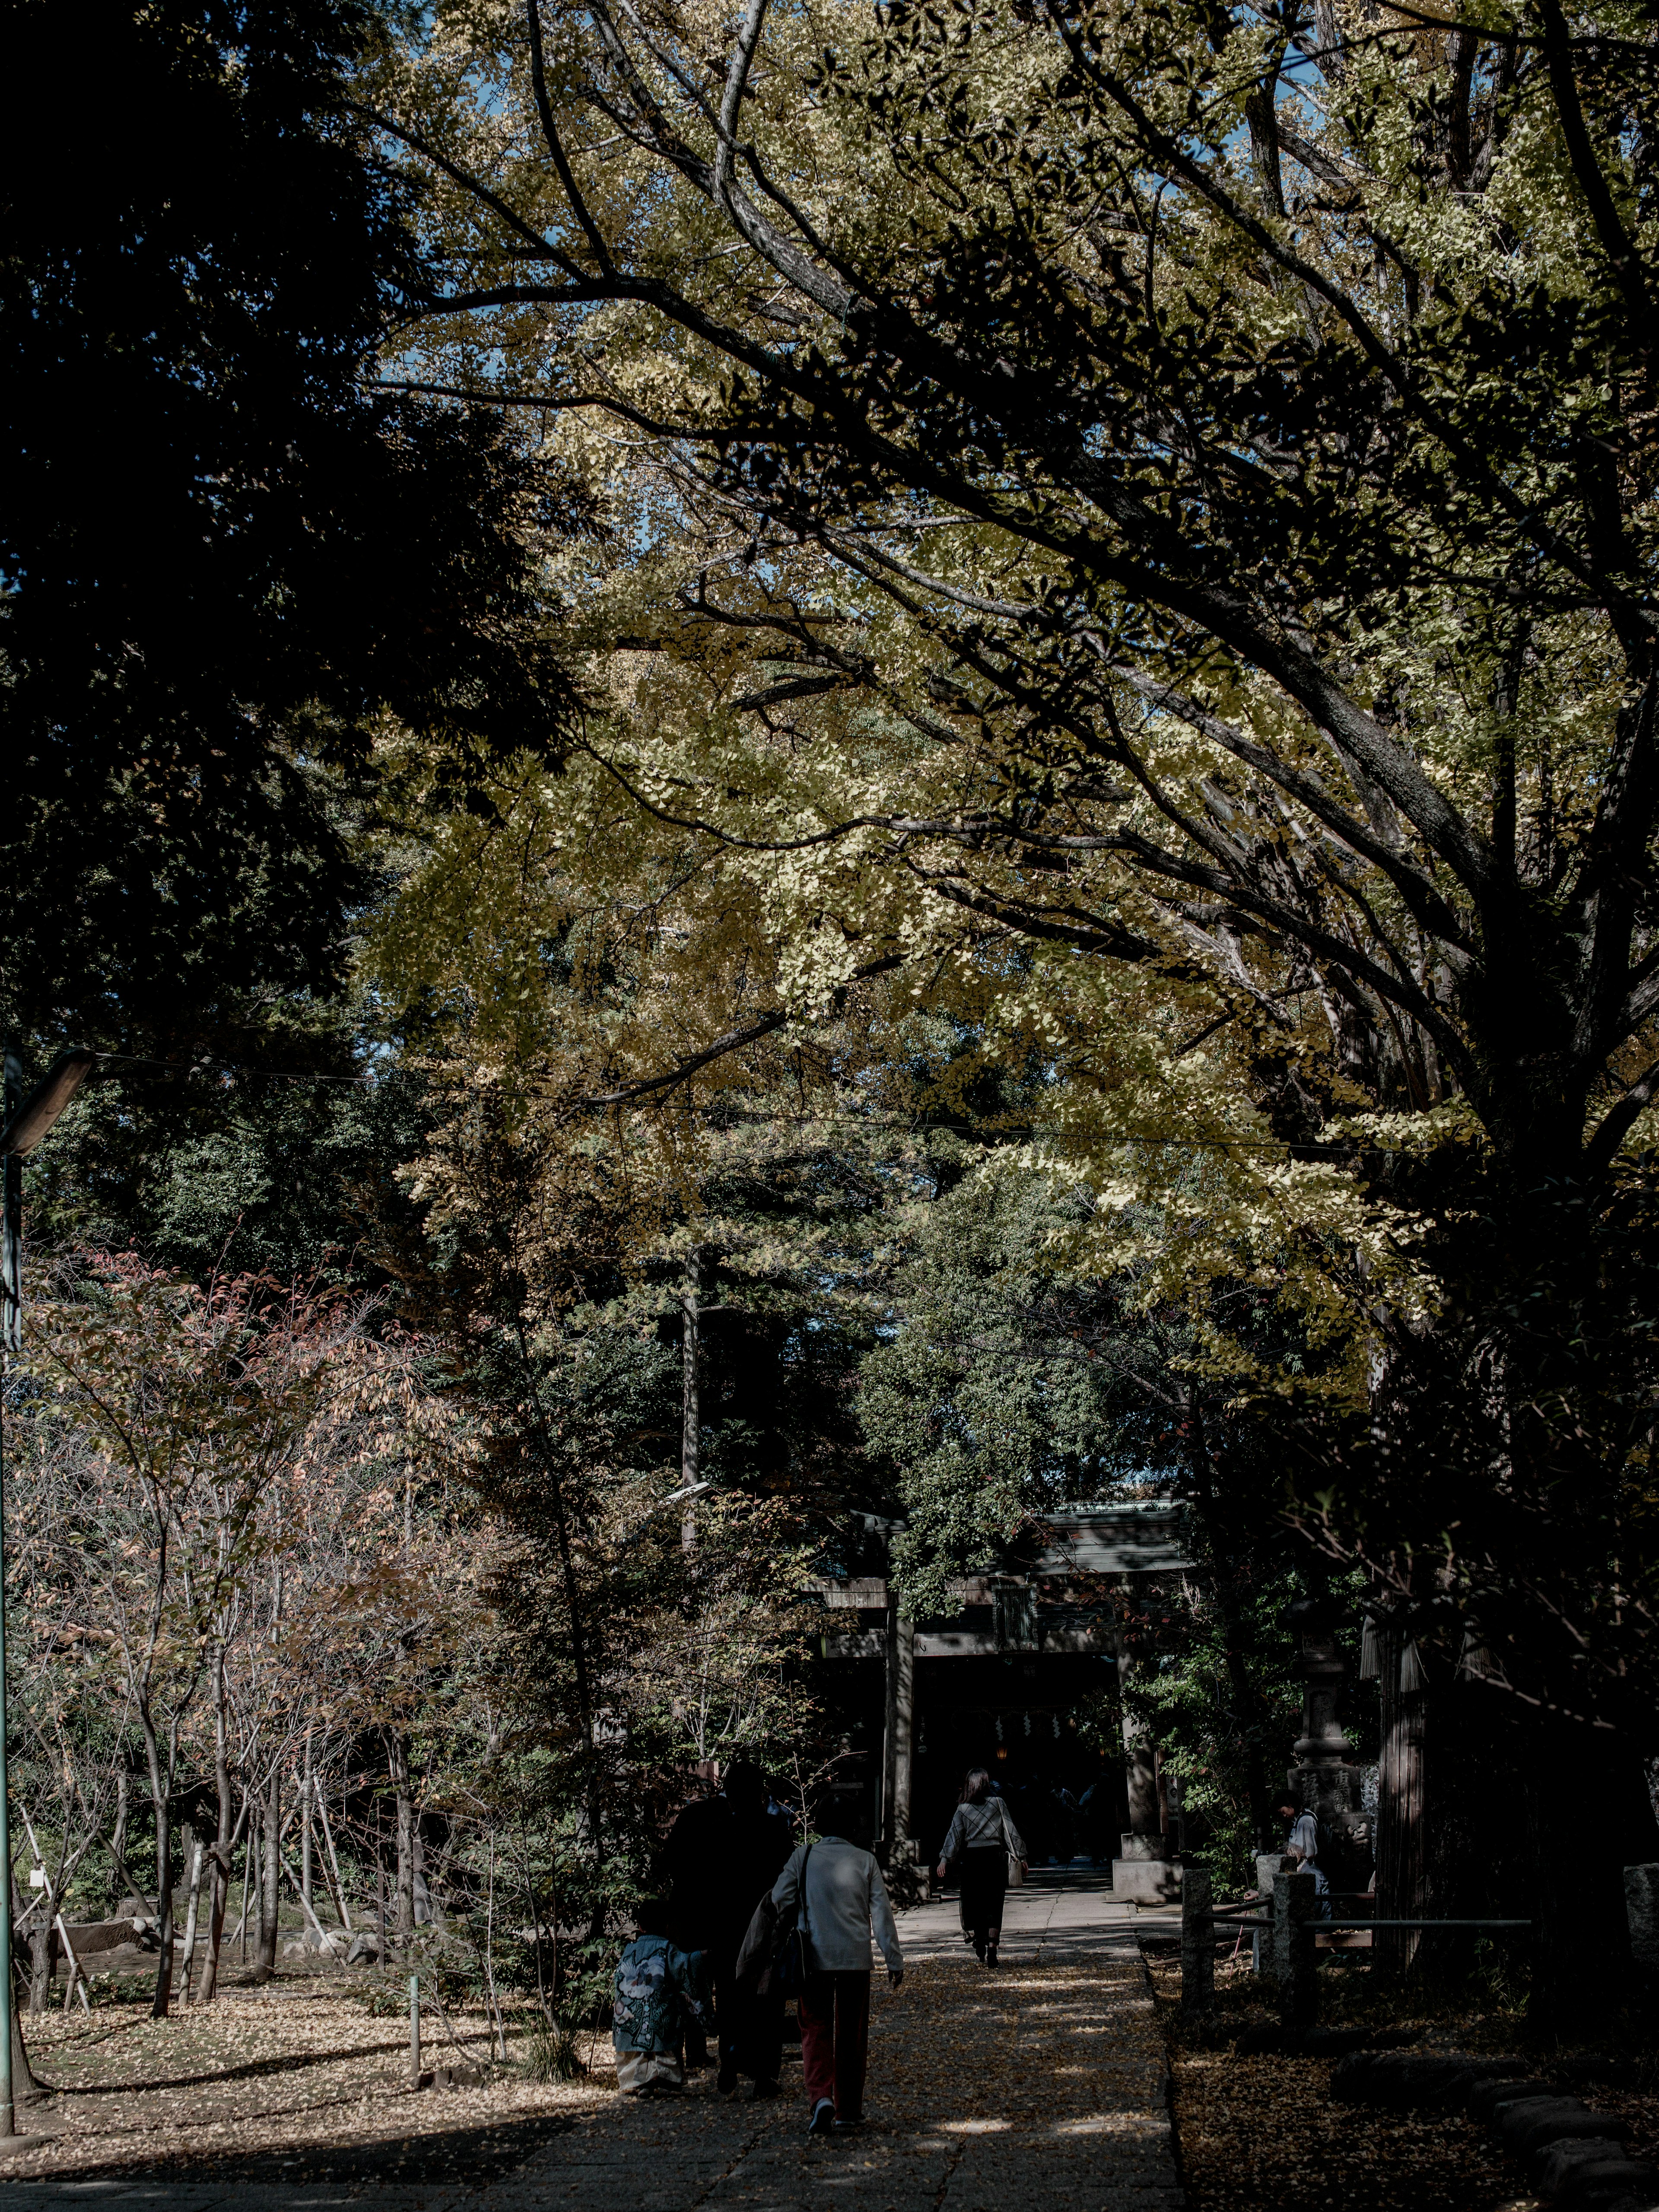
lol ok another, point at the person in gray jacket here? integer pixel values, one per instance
(981, 1842)
(845, 1900)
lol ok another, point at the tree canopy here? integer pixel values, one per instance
(225, 555)
(969, 693)
(1174, 490)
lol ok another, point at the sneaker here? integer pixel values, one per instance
(990, 1955)
(726, 2080)
(823, 2118)
(843, 2126)
(762, 2090)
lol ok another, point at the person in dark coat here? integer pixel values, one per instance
(722, 1857)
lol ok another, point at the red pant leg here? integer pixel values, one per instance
(817, 2008)
(852, 2042)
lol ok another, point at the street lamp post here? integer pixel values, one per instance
(27, 1120)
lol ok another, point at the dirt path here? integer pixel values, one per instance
(1040, 2089)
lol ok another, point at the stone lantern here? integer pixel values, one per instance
(1324, 1781)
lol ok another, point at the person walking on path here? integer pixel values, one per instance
(841, 1902)
(722, 1856)
(981, 1842)
(657, 1996)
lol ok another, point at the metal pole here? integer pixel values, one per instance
(27, 1122)
(1294, 1901)
(1197, 1945)
(11, 1265)
(413, 2031)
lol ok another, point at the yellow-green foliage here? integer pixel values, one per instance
(893, 695)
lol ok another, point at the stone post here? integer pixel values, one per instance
(1323, 1782)
(1269, 1865)
(1642, 1910)
(1295, 1899)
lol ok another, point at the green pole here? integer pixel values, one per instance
(12, 1271)
(413, 2031)
(27, 1122)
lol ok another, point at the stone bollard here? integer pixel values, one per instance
(1642, 1912)
(1197, 1946)
(1295, 1901)
(1268, 1866)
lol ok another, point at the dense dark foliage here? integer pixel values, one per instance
(224, 557)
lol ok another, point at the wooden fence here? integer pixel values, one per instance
(1292, 1920)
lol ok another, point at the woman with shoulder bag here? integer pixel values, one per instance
(986, 1847)
(831, 1898)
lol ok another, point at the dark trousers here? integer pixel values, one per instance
(984, 1877)
(835, 2040)
(751, 2026)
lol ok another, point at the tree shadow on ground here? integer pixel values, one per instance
(473, 2156)
(257, 2069)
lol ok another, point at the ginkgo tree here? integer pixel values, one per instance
(1173, 487)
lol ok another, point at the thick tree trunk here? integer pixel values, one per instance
(1471, 1828)
(1591, 1817)
(1452, 1834)
(25, 2088)
(1249, 1707)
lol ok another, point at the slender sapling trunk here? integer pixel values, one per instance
(219, 1874)
(265, 1964)
(191, 1915)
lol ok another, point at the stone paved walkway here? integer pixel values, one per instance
(1039, 2088)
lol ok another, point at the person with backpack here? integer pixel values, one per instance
(658, 1995)
(830, 1899)
(985, 1846)
(1309, 1841)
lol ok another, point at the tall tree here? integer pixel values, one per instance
(1176, 489)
